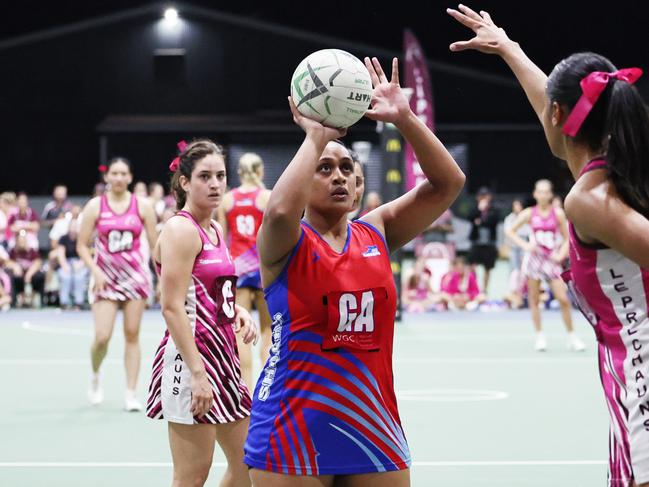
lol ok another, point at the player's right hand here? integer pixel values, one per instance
(313, 127)
(202, 395)
(99, 281)
(531, 247)
(489, 38)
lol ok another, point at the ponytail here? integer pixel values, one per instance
(179, 193)
(250, 167)
(627, 124)
(616, 126)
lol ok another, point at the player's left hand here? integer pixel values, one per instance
(244, 324)
(489, 38)
(389, 103)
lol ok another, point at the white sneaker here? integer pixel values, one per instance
(95, 392)
(540, 344)
(131, 404)
(575, 344)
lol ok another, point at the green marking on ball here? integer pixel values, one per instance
(313, 108)
(326, 104)
(298, 79)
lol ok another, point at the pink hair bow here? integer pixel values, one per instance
(592, 87)
(182, 145)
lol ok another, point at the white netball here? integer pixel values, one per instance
(333, 87)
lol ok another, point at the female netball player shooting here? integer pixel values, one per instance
(325, 408)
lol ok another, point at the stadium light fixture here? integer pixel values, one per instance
(171, 15)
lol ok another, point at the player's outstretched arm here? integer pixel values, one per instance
(491, 39)
(406, 217)
(280, 230)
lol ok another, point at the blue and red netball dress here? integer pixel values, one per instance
(325, 403)
(244, 220)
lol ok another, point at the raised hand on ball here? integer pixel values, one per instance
(389, 103)
(312, 127)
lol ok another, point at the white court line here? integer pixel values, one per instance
(437, 336)
(54, 361)
(60, 330)
(511, 463)
(449, 395)
(495, 360)
(496, 463)
(397, 360)
(492, 337)
(26, 325)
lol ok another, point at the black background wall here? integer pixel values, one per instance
(54, 93)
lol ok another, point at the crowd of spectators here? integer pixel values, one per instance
(441, 277)
(50, 273)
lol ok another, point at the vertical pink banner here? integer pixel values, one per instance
(421, 101)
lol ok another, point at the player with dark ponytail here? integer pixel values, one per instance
(595, 119)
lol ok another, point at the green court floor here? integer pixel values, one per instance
(479, 406)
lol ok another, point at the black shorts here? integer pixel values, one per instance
(484, 255)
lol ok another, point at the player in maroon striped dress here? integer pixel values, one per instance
(120, 271)
(196, 383)
(546, 249)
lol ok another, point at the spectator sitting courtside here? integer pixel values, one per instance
(27, 277)
(23, 218)
(460, 288)
(418, 295)
(7, 207)
(58, 206)
(72, 272)
(5, 281)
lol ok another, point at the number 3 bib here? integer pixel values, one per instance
(354, 319)
(224, 294)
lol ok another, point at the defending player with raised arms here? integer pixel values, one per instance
(595, 119)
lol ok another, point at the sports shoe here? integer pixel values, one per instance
(131, 404)
(575, 344)
(540, 344)
(95, 392)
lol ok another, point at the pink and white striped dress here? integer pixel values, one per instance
(210, 308)
(612, 293)
(539, 265)
(120, 255)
